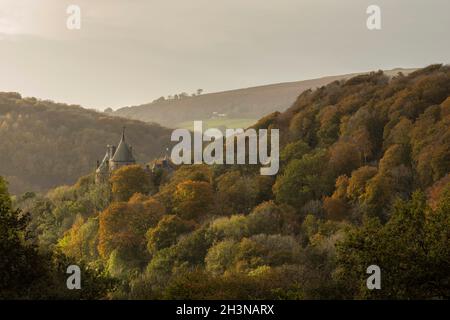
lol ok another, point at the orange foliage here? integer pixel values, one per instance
(124, 224)
(193, 199)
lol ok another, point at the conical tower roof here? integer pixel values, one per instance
(104, 164)
(123, 152)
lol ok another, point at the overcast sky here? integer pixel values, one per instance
(130, 52)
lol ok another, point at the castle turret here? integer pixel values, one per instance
(123, 156)
(102, 172)
(114, 159)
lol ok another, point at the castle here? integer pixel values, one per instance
(114, 159)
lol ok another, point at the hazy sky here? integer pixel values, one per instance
(130, 52)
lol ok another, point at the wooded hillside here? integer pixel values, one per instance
(45, 144)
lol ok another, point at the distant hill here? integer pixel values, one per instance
(240, 107)
(45, 144)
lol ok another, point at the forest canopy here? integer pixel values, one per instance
(364, 179)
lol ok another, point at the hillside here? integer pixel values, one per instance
(239, 108)
(364, 179)
(45, 144)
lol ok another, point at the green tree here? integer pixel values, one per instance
(294, 150)
(166, 232)
(27, 274)
(303, 180)
(221, 256)
(412, 250)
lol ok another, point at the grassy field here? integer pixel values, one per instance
(229, 123)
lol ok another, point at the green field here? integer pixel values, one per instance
(229, 123)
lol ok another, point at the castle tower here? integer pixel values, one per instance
(102, 172)
(114, 159)
(123, 156)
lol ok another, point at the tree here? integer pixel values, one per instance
(412, 250)
(233, 227)
(236, 193)
(81, 240)
(294, 150)
(263, 283)
(335, 209)
(341, 185)
(362, 140)
(160, 99)
(303, 180)
(123, 225)
(328, 132)
(357, 183)
(129, 180)
(266, 250)
(166, 232)
(4, 194)
(193, 199)
(440, 162)
(221, 256)
(183, 173)
(394, 156)
(344, 157)
(27, 274)
(400, 133)
(378, 197)
(303, 126)
(270, 218)
(20, 264)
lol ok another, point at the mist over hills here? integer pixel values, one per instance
(241, 107)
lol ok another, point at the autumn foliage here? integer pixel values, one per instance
(363, 179)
